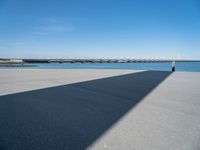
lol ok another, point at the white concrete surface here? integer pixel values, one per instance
(20, 80)
(167, 117)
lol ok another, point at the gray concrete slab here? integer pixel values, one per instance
(99, 109)
(20, 80)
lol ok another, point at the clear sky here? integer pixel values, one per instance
(100, 28)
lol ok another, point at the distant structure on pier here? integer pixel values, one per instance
(22, 61)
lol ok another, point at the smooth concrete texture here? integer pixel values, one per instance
(99, 109)
(20, 80)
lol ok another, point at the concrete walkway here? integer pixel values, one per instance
(99, 109)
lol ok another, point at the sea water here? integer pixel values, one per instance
(162, 66)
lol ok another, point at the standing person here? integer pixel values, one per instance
(173, 66)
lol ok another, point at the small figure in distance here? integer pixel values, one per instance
(173, 66)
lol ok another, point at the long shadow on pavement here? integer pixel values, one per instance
(71, 116)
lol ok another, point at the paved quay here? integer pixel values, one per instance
(43, 109)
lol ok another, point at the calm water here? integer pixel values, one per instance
(180, 66)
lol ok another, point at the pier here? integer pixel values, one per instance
(99, 109)
(103, 60)
(24, 61)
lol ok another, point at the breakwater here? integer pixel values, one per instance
(22, 61)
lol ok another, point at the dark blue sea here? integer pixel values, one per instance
(163, 66)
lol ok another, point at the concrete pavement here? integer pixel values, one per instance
(99, 109)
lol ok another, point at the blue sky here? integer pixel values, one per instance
(100, 28)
